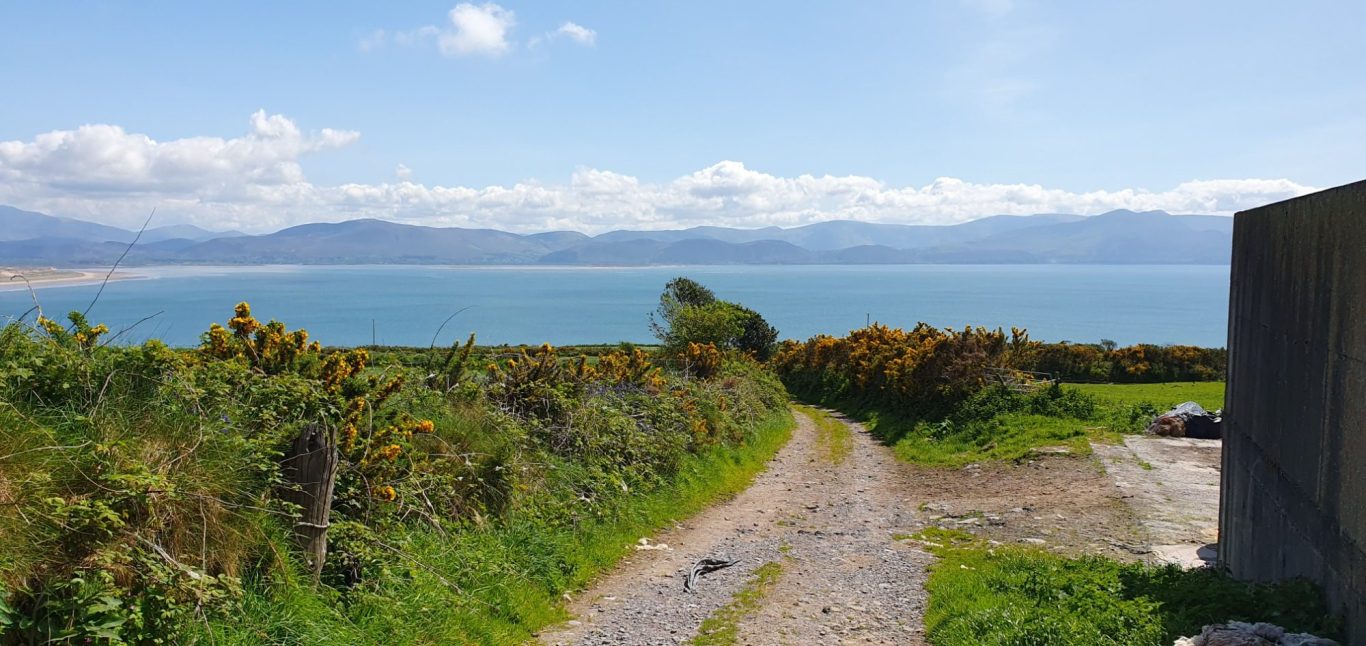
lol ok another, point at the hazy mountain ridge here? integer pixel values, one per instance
(1117, 237)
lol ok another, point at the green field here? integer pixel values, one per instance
(1209, 394)
(1008, 427)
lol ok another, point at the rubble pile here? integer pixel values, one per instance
(1188, 420)
(1237, 633)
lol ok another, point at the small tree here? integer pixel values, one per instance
(758, 338)
(679, 293)
(690, 313)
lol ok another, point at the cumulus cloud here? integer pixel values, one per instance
(255, 182)
(474, 30)
(477, 30)
(107, 159)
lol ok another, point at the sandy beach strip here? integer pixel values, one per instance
(13, 278)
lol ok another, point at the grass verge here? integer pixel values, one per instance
(833, 436)
(722, 628)
(1000, 596)
(499, 584)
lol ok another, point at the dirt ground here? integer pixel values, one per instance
(1055, 501)
(838, 531)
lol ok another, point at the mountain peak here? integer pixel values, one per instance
(1126, 213)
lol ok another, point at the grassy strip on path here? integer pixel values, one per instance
(500, 584)
(722, 628)
(1012, 595)
(833, 436)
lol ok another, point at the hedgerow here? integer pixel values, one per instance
(143, 497)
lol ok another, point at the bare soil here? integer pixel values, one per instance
(1055, 501)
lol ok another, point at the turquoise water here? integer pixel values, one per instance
(564, 305)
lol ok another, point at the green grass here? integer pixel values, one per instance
(833, 436)
(1012, 436)
(500, 584)
(1019, 435)
(722, 628)
(1209, 394)
(1010, 596)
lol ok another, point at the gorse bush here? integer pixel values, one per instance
(951, 397)
(929, 372)
(926, 370)
(143, 497)
(1144, 363)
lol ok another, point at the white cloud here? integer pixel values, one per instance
(579, 34)
(474, 30)
(573, 31)
(477, 30)
(255, 182)
(106, 159)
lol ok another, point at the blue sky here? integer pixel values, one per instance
(594, 115)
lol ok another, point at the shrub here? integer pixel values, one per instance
(925, 372)
(141, 486)
(690, 313)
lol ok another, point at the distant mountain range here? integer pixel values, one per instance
(1117, 237)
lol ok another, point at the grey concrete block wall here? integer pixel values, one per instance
(1293, 496)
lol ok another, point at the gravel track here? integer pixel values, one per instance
(846, 578)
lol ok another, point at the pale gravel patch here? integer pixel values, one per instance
(1176, 499)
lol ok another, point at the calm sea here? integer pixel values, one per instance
(561, 305)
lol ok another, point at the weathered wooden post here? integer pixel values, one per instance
(310, 471)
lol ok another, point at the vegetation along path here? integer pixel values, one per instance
(820, 560)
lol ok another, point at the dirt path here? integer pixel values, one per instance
(833, 529)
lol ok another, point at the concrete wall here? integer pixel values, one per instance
(1293, 496)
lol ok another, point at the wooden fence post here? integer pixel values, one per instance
(310, 471)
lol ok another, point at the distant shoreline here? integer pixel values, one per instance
(45, 277)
